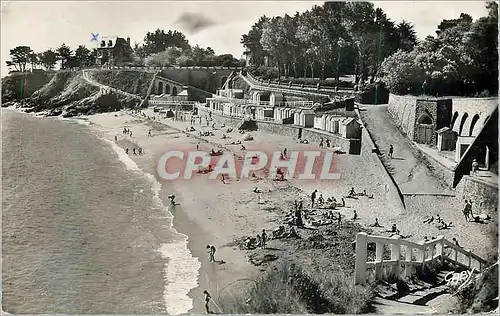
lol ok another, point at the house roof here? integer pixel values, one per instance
(308, 111)
(348, 121)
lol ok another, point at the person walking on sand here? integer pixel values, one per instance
(264, 238)
(133, 151)
(321, 143)
(313, 197)
(149, 133)
(284, 153)
(211, 252)
(207, 300)
(116, 138)
(467, 210)
(126, 151)
(140, 151)
(391, 151)
(130, 133)
(475, 167)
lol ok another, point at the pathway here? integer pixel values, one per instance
(89, 79)
(408, 170)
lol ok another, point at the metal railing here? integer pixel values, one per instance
(416, 254)
(170, 102)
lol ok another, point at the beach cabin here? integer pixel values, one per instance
(350, 128)
(296, 117)
(307, 118)
(446, 139)
(275, 99)
(318, 122)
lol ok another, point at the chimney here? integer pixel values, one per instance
(128, 41)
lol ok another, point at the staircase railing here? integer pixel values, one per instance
(406, 256)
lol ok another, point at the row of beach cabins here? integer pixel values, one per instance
(299, 113)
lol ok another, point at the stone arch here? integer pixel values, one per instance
(462, 123)
(425, 119)
(453, 120)
(167, 88)
(473, 123)
(174, 91)
(160, 88)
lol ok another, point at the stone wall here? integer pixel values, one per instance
(484, 195)
(445, 175)
(402, 109)
(205, 79)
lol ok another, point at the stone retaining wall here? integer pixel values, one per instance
(484, 195)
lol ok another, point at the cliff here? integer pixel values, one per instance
(64, 93)
(18, 86)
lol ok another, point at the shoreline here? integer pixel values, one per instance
(209, 214)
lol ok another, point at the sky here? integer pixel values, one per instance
(47, 24)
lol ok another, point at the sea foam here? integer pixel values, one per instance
(181, 269)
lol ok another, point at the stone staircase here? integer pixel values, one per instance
(417, 292)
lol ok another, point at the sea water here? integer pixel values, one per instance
(84, 230)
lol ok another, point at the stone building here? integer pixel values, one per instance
(113, 50)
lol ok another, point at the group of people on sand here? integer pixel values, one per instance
(353, 195)
(329, 203)
(135, 151)
(126, 131)
(441, 224)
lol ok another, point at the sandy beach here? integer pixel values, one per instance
(211, 212)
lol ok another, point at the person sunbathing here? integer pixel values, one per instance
(352, 192)
(321, 200)
(256, 190)
(224, 136)
(429, 220)
(376, 224)
(243, 147)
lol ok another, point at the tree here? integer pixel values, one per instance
(21, 56)
(64, 54)
(165, 58)
(251, 41)
(83, 57)
(48, 59)
(159, 41)
(446, 24)
(407, 36)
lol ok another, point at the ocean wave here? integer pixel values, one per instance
(181, 269)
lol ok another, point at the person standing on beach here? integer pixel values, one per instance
(313, 197)
(130, 133)
(391, 151)
(126, 151)
(133, 151)
(149, 133)
(321, 142)
(116, 138)
(264, 238)
(211, 252)
(207, 300)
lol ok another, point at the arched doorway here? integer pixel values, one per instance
(167, 88)
(160, 88)
(462, 123)
(425, 129)
(174, 91)
(473, 123)
(453, 120)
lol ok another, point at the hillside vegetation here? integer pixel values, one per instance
(21, 85)
(135, 82)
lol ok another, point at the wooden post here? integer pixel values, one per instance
(440, 249)
(395, 254)
(469, 257)
(379, 259)
(408, 265)
(361, 256)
